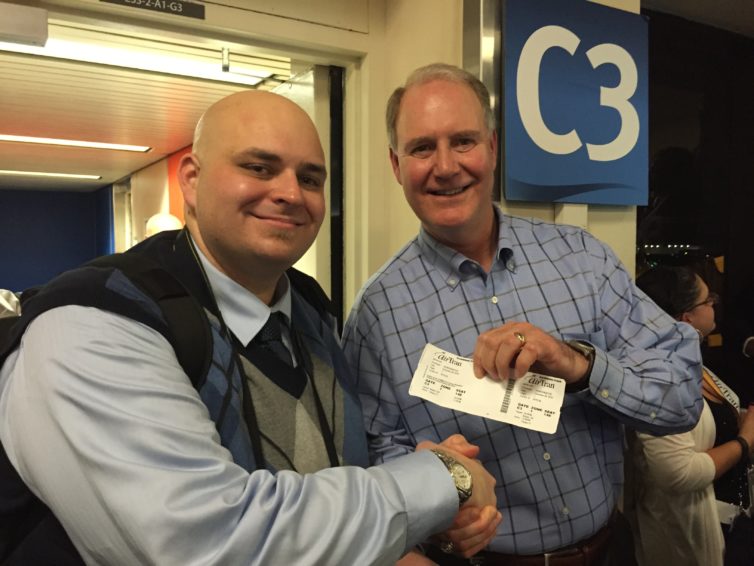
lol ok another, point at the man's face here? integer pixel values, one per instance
(258, 191)
(445, 159)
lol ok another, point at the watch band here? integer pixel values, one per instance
(586, 350)
(458, 472)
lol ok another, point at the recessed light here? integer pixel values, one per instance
(75, 143)
(12, 173)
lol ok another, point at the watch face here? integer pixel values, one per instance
(461, 476)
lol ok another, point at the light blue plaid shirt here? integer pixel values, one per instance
(553, 489)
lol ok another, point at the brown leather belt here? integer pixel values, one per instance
(585, 553)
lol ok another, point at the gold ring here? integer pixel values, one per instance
(521, 338)
(448, 547)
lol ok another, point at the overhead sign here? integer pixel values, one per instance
(172, 7)
(575, 103)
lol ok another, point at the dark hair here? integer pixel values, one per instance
(428, 73)
(675, 289)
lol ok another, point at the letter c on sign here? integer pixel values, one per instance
(527, 88)
(527, 94)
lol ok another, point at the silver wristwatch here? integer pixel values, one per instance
(586, 350)
(461, 476)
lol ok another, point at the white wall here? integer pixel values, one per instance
(310, 91)
(379, 219)
(149, 196)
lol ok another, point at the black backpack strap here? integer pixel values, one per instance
(313, 293)
(29, 533)
(6, 323)
(188, 328)
(186, 325)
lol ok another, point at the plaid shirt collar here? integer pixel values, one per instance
(455, 266)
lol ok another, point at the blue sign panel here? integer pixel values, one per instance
(575, 99)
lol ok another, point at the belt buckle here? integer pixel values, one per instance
(570, 553)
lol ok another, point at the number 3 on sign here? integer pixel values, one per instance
(527, 94)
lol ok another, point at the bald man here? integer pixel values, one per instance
(264, 461)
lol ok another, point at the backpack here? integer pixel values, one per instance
(29, 532)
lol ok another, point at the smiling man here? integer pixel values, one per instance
(260, 461)
(515, 295)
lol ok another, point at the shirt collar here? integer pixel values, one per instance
(454, 265)
(242, 311)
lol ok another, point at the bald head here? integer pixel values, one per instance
(253, 187)
(243, 108)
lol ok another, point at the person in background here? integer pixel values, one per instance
(514, 294)
(101, 422)
(683, 486)
(161, 222)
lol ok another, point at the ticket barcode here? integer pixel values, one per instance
(507, 396)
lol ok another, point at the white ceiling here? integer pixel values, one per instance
(41, 96)
(54, 98)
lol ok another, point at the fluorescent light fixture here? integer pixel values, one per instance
(74, 143)
(7, 172)
(175, 63)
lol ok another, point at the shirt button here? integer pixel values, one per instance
(652, 415)
(605, 393)
(565, 510)
(494, 300)
(546, 456)
(451, 281)
(510, 265)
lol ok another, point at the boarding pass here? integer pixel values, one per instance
(532, 401)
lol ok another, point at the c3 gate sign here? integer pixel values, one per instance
(575, 103)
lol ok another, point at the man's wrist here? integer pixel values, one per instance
(585, 350)
(459, 473)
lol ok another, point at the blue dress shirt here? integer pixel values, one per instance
(104, 426)
(553, 489)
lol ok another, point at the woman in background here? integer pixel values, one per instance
(670, 492)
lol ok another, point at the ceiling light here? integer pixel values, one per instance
(75, 143)
(100, 48)
(45, 174)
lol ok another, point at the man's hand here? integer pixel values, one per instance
(456, 443)
(476, 523)
(511, 350)
(473, 529)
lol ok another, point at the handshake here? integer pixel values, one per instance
(477, 519)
